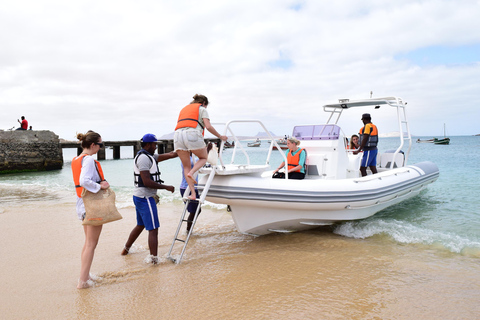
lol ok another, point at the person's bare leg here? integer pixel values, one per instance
(132, 238)
(153, 244)
(92, 234)
(202, 159)
(185, 159)
(363, 170)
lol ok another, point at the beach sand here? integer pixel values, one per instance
(224, 274)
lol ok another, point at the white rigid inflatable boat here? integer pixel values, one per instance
(333, 189)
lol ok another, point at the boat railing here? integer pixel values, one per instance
(396, 102)
(229, 131)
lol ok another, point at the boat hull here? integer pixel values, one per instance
(441, 141)
(261, 205)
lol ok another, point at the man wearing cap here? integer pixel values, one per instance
(368, 144)
(147, 181)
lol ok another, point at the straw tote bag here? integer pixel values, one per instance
(100, 207)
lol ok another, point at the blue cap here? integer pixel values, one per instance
(149, 137)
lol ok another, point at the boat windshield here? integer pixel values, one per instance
(317, 132)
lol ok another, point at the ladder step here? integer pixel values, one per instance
(176, 239)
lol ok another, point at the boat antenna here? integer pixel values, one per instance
(371, 92)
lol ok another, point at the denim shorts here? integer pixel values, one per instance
(188, 139)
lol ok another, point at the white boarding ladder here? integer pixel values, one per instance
(176, 239)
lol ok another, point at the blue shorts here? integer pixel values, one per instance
(147, 214)
(369, 158)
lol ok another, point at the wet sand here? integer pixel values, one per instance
(224, 274)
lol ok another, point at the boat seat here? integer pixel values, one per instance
(315, 164)
(386, 160)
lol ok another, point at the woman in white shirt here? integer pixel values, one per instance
(88, 174)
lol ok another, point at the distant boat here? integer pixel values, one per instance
(254, 144)
(425, 141)
(441, 141)
(282, 143)
(444, 140)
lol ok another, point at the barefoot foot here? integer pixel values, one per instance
(84, 284)
(125, 251)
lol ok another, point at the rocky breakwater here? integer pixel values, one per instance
(28, 150)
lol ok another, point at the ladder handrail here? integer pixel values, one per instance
(272, 144)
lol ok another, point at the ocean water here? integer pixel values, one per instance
(445, 216)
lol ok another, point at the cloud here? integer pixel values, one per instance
(127, 67)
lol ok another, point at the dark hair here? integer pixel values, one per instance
(88, 138)
(200, 98)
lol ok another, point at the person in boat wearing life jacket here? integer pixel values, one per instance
(296, 158)
(368, 144)
(192, 121)
(88, 174)
(147, 181)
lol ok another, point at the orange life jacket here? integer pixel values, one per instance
(188, 116)
(77, 168)
(294, 160)
(373, 136)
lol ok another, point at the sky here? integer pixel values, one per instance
(126, 68)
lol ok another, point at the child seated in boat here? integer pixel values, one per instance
(296, 158)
